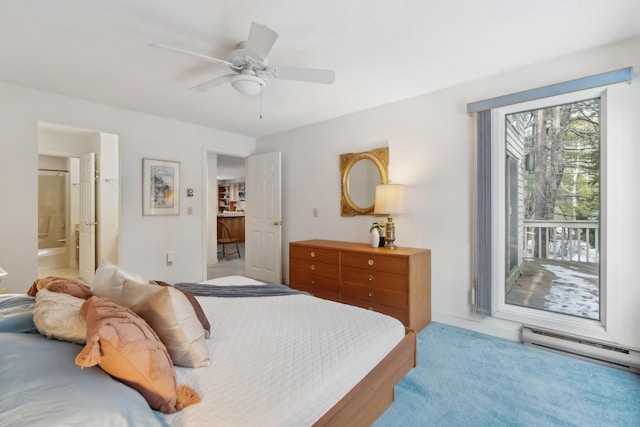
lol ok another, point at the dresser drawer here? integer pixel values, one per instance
(317, 268)
(398, 313)
(311, 253)
(378, 279)
(309, 278)
(390, 264)
(375, 295)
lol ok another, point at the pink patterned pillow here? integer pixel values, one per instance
(62, 285)
(126, 347)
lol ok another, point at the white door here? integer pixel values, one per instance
(263, 228)
(87, 262)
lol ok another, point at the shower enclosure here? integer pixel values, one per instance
(52, 208)
(56, 243)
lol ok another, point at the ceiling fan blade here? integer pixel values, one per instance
(303, 74)
(197, 55)
(209, 84)
(261, 40)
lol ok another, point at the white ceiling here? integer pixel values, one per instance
(381, 50)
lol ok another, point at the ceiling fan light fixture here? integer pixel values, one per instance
(247, 84)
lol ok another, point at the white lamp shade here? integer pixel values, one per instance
(389, 199)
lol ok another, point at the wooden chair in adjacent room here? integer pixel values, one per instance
(225, 239)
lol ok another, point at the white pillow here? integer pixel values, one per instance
(57, 315)
(107, 283)
(170, 314)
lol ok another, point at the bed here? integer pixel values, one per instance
(289, 360)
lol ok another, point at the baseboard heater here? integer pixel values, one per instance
(584, 348)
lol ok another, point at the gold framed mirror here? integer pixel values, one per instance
(360, 173)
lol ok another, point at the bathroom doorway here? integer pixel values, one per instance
(56, 196)
(60, 251)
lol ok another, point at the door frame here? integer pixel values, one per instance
(211, 232)
(562, 322)
(112, 155)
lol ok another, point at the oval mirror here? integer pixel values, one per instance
(363, 178)
(360, 173)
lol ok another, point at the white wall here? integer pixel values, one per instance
(144, 239)
(431, 140)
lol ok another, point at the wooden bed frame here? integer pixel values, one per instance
(375, 392)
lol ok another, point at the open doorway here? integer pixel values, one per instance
(226, 214)
(262, 259)
(63, 249)
(57, 208)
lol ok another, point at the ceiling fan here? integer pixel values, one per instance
(250, 65)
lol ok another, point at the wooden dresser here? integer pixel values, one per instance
(394, 282)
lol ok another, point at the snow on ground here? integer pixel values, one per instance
(572, 294)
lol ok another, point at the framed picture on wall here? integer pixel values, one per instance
(160, 187)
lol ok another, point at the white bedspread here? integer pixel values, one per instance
(282, 361)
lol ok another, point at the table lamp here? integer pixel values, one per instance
(389, 200)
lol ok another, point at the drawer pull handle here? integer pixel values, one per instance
(370, 293)
(313, 267)
(313, 282)
(370, 277)
(370, 262)
(313, 254)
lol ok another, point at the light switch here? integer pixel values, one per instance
(170, 257)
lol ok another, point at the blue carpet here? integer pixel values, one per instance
(465, 378)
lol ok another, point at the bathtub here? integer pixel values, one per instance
(52, 258)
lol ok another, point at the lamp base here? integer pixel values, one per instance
(390, 234)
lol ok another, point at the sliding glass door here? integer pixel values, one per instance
(552, 203)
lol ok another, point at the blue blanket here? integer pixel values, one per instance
(42, 386)
(16, 313)
(267, 290)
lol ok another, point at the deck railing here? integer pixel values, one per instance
(565, 240)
